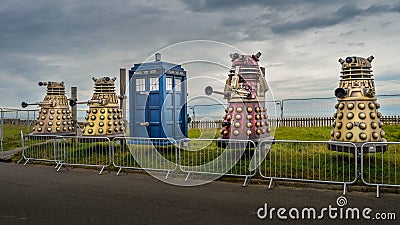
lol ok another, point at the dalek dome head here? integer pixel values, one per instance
(104, 80)
(238, 59)
(356, 67)
(54, 88)
(52, 84)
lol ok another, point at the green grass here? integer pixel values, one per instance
(11, 136)
(392, 132)
(303, 133)
(204, 133)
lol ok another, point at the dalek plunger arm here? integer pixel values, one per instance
(209, 91)
(73, 102)
(24, 104)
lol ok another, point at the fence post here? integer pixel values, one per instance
(74, 109)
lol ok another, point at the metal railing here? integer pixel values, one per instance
(211, 156)
(380, 164)
(43, 148)
(85, 151)
(159, 154)
(303, 161)
(309, 161)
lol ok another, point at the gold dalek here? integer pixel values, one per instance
(104, 117)
(357, 116)
(54, 115)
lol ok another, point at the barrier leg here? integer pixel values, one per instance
(187, 177)
(22, 158)
(166, 176)
(245, 181)
(102, 169)
(26, 162)
(270, 184)
(344, 189)
(61, 165)
(377, 191)
(120, 169)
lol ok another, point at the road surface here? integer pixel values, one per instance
(36, 194)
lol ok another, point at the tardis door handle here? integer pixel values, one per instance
(145, 124)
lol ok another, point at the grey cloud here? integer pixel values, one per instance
(74, 40)
(346, 33)
(211, 5)
(343, 14)
(356, 43)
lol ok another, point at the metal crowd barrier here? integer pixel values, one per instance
(380, 168)
(158, 154)
(210, 156)
(85, 151)
(40, 148)
(309, 161)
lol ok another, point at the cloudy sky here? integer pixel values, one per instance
(301, 41)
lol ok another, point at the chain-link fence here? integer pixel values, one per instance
(303, 112)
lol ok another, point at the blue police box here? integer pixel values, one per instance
(158, 95)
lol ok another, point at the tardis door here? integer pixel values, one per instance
(174, 108)
(146, 107)
(138, 113)
(169, 107)
(153, 107)
(180, 108)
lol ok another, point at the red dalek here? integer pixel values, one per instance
(246, 115)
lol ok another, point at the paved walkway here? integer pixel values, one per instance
(36, 194)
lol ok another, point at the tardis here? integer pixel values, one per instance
(158, 95)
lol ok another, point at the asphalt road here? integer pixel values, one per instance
(36, 194)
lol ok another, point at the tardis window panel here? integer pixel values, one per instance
(178, 84)
(154, 84)
(140, 84)
(169, 84)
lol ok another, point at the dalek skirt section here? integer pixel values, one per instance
(54, 116)
(357, 116)
(104, 117)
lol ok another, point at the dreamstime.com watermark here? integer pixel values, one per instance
(311, 213)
